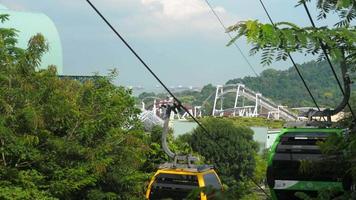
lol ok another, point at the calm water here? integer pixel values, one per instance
(260, 136)
(182, 127)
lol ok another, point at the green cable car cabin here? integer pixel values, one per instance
(292, 148)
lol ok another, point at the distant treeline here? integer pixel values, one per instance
(283, 86)
(286, 87)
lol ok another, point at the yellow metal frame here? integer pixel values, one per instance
(183, 172)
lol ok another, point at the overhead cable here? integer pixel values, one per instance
(157, 78)
(246, 60)
(292, 60)
(323, 47)
(231, 37)
(145, 64)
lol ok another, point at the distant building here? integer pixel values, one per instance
(81, 79)
(335, 118)
(29, 24)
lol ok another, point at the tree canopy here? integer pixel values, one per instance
(276, 41)
(230, 148)
(62, 139)
(285, 86)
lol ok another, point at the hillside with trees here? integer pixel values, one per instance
(286, 88)
(282, 86)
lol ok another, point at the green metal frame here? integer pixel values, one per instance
(304, 185)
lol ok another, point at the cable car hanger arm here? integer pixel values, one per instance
(189, 159)
(166, 117)
(328, 112)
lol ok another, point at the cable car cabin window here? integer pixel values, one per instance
(301, 143)
(212, 181)
(173, 186)
(296, 147)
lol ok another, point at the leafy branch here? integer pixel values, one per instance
(345, 9)
(275, 42)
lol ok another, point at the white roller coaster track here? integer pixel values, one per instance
(260, 101)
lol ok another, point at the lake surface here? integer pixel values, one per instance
(182, 127)
(260, 136)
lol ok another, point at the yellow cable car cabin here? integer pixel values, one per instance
(179, 179)
(178, 183)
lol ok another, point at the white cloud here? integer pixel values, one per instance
(178, 9)
(175, 18)
(162, 18)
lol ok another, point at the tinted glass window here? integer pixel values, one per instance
(173, 186)
(296, 147)
(319, 171)
(303, 138)
(212, 181)
(299, 142)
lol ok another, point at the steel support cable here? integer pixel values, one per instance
(144, 64)
(230, 36)
(247, 61)
(292, 60)
(156, 77)
(323, 47)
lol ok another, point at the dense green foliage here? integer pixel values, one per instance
(285, 86)
(275, 41)
(61, 139)
(231, 149)
(64, 139)
(156, 156)
(257, 122)
(345, 9)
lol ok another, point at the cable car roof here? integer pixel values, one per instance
(185, 167)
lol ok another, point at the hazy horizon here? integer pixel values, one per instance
(180, 39)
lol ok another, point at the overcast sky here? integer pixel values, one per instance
(180, 39)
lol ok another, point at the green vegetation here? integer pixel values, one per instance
(253, 122)
(231, 149)
(156, 156)
(64, 139)
(257, 122)
(285, 86)
(61, 139)
(276, 41)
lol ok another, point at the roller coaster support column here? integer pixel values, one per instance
(154, 107)
(219, 88)
(143, 106)
(239, 87)
(197, 111)
(255, 112)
